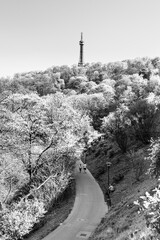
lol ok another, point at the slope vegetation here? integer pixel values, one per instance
(123, 221)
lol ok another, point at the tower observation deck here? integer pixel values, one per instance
(81, 60)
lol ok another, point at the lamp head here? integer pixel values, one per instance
(108, 164)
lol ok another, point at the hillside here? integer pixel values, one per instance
(122, 222)
(50, 119)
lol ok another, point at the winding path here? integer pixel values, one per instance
(89, 208)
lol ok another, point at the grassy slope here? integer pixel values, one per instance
(123, 221)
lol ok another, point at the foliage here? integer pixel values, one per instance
(28, 127)
(96, 72)
(136, 65)
(77, 83)
(20, 218)
(150, 203)
(150, 206)
(43, 83)
(42, 126)
(136, 159)
(12, 176)
(115, 70)
(142, 115)
(48, 118)
(54, 183)
(135, 87)
(154, 157)
(116, 125)
(95, 105)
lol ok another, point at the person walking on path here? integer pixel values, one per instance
(80, 167)
(84, 167)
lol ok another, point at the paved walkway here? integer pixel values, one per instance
(87, 212)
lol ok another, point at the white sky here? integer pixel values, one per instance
(37, 34)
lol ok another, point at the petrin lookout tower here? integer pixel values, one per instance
(81, 43)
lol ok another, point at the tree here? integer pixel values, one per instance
(76, 82)
(94, 105)
(142, 114)
(47, 136)
(96, 72)
(137, 65)
(156, 62)
(70, 122)
(154, 84)
(44, 124)
(137, 85)
(5, 118)
(116, 127)
(28, 128)
(115, 70)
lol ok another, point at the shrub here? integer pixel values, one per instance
(101, 145)
(20, 218)
(101, 170)
(116, 127)
(137, 161)
(118, 178)
(154, 157)
(142, 115)
(98, 153)
(111, 153)
(150, 206)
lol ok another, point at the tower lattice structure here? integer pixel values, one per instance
(81, 60)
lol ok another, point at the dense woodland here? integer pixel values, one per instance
(48, 119)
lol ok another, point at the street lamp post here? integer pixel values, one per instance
(84, 157)
(108, 167)
(108, 190)
(85, 137)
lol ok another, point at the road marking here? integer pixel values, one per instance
(83, 235)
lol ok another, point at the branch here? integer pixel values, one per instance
(35, 189)
(40, 165)
(44, 150)
(45, 181)
(10, 188)
(4, 97)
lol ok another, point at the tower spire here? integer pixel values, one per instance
(81, 43)
(81, 36)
